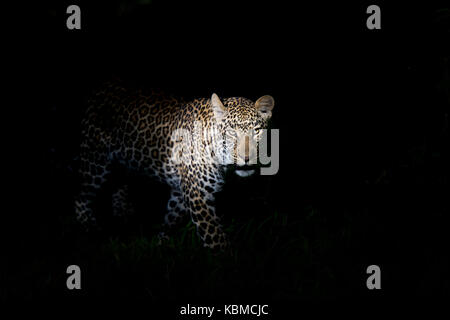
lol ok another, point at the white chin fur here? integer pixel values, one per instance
(245, 173)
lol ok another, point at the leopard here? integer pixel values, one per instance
(189, 145)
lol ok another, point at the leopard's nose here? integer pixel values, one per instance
(246, 158)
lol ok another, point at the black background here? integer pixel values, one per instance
(363, 119)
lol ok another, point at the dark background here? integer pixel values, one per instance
(363, 179)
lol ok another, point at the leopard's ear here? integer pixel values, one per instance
(218, 107)
(265, 105)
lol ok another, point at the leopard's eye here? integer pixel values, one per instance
(257, 130)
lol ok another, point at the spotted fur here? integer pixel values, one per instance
(138, 131)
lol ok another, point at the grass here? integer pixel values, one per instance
(273, 256)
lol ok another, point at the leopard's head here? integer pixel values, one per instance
(241, 123)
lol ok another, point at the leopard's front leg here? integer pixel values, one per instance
(199, 202)
(202, 212)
